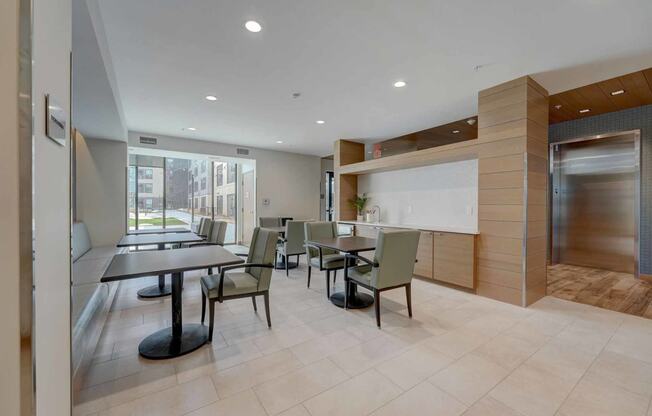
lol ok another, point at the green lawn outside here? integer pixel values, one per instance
(156, 222)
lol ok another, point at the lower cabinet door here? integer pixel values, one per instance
(454, 258)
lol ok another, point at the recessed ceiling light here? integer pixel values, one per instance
(191, 128)
(211, 98)
(618, 92)
(320, 122)
(279, 141)
(400, 84)
(585, 110)
(455, 131)
(253, 26)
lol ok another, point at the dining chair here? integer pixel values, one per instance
(205, 225)
(293, 242)
(254, 280)
(319, 257)
(269, 222)
(391, 268)
(215, 238)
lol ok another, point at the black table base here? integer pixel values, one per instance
(162, 344)
(356, 300)
(291, 265)
(156, 291)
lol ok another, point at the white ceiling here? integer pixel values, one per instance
(343, 57)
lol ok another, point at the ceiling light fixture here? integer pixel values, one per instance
(211, 98)
(191, 128)
(471, 121)
(455, 131)
(320, 122)
(400, 84)
(558, 107)
(618, 92)
(279, 142)
(253, 26)
(585, 110)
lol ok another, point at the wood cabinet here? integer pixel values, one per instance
(423, 266)
(454, 258)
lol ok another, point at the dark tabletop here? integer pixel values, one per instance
(353, 244)
(147, 239)
(147, 263)
(159, 231)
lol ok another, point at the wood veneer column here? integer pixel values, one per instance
(346, 186)
(512, 196)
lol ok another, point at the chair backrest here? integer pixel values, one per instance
(81, 240)
(284, 220)
(262, 250)
(269, 222)
(294, 237)
(319, 229)
(396, 252)
(218, 231)
(205, 226)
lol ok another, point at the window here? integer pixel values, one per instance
(195, 186)
(230, 173)
(145, 173)
(145, 188)
(203, 184)
(203, 202)
(195, 171)
(219, 205)
(219, 175)
(230, 204)
(203, 166)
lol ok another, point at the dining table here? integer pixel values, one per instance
(160, 241)
(180, 338)
(348, 245)
(159, 230)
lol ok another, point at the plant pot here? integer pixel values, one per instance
(360, 218)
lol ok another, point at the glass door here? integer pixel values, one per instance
(225, 197)
(178, 200)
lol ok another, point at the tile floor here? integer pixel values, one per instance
(460, 355)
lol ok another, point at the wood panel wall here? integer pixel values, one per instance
(346, 185)
(512, 195)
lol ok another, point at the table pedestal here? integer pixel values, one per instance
(356, 300)
(178, 339)
(156, 291)
(281, 263)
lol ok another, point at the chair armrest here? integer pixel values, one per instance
(220, 288)
(363, 259)
(321, 265)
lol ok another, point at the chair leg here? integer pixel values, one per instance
(408, 295)
(346, 293)
(275, 259)
(253, 300)
(328, 285)
(309, 271)
(203, 307)
(287, 266)
(269, 318)
(377, 306)
(211, 320)
(210, 270)
(334, 276)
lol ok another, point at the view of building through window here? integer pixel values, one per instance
(172, 192)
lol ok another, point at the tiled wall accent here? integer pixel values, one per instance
(631, 119)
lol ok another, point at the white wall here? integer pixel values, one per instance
(289, 180)
(101, 192)
(444, 195)
(51, 74)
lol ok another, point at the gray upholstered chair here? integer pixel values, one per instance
(204, 228)
(269, 222)
(253, 281)
(322, 258)
(293, 242)
(215, 238)
(391, 268)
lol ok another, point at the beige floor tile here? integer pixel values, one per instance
(360, 358)
(561, 361)
(293, 388)
(208, 360)
(413, 366)
(599, 397)
(508, 351)
(491, 324)
(458, 342)
(625, 372)
(118, 368)
(324, 346)
(424, 399)
(488, 406)
(284, 338)
(532, 392)
(174, 401)
(298, 410)
(245, 404)
(244, 376)
(632, 342)
(357, 396)
(469, 378)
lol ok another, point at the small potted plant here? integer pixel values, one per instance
(359, 203)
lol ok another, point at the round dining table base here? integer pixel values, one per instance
(291, 265)
(357, 301)
(161, 345)
(155, 291)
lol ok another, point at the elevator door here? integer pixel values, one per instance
(595, 198)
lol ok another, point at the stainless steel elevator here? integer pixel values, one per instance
(595, 201)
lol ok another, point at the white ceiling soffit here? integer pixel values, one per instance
(97, 108)
(344, 56)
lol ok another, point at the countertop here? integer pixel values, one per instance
(443, 229)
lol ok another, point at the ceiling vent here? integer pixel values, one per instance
(241, 151)
(148, 140)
